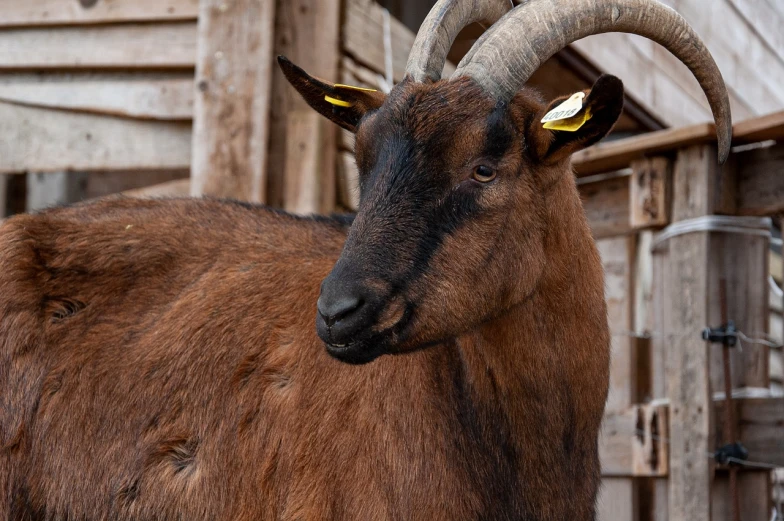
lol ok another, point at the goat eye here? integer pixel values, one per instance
(484, 174)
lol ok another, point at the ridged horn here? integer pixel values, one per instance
(506, 56)
(439, 30)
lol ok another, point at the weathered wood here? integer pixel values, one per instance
(765, 19)
(162, 45)
(618, 497)
(43, 140)
(760, 426)
(309, 189)
(686, 286)
(308, 33)
(163, 99)
(72, 12)
(606, 204)
(632, 442)
(650, 185)
(231, 110)
(100, 184)
(176, 188)
(760, 178)
(348, 181)
(363, 38)
(763, 128)
(619, 154)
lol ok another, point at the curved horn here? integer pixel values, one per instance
(507, 55)
(439, 30)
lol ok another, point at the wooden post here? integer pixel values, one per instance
(308, 33)
(688, 270)
(686, 282)
(618, 496)
(232, 102)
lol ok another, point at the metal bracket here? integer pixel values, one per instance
(726, 334)
(731, 454)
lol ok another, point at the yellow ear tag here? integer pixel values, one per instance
(340, 102)
(563, 117)
(351, 87)
(572, 124)
(337, 102)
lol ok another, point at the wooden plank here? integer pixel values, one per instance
(308, 188)
(632, 442)
(127, 46)
(308, 33)
(650, 185)
(43, 140)
(760, 423)
(760, 178)
(348, 182)
(687, 357)
(82, 12)
(175, 188)
(618, 499)
(164, 99)
(614, 155)
(763, 128)
(606, 204)
(766, 19)
(231, 110)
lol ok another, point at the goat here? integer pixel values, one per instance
(159, 360)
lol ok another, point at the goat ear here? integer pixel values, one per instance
(602, 106)
(343, 104)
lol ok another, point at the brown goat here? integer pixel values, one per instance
(159, 361)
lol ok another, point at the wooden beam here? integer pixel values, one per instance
(44, 140)
(308, 33)
(614, 155)
(763, 128)
(231, 111)
(686, 286)
(161, 99)
(3, 195)
(650, 186)
(308, 189)
(760, 423)
(126, 46)
(59, 12)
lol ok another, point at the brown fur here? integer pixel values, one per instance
(159, 360)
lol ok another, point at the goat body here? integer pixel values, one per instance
(159, 361)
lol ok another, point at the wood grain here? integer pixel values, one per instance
(72, 12)
(760, 178)
(650, 197)
(126, 46)
(161, 99)
(606, 204)
(43, 140)
(231, 110)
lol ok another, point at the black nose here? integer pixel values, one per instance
(345, 314)
(334, 307)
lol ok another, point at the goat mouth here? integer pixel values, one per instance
(365, 350)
